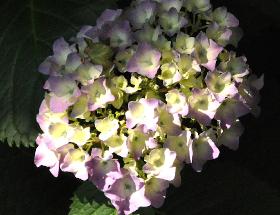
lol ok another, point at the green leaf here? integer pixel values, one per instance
(87, 200)
(27, 30)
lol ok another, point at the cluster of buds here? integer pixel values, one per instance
(145, 91)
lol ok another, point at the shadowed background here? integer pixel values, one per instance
(243, 182)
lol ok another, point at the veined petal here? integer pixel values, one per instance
(75, 161)
(46, 117)
(142, 113)
(145, 61)
(230, 137)
(167, 122)
(155, 191)
(143, 13)
(221, 85)
(120, 35)
(127, 193)
(87, 73)
(108, 16)
(98, 93)
(206, 51)
(61, 50)
(224, 18)
(203, 105)
(180, 145)
(159, 163)
(80, 135)
(197, 6)
(176, 102)
(46, 155)
(118, 144)
(171, 21)
(202, 149)
(103, 172)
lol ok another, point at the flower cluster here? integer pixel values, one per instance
(145, 91)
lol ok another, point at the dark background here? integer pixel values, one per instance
(243, 182)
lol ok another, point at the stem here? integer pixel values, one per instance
(103, 149)
(195, 24)
(193, 19)
(202, 27)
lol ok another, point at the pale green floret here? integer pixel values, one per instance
(138, 111)
(221, 35)
(77, 155)
(135, 81)
(187, 66)
(108, 127)
(80, 135)
(219, 86)
(173, 98)
(167, 5)
(137, 142)
(96, 91)
(148, 34)
(128, 187)
(164, 119)
(184, 43)
(115, 141)
(168, 56)
(99, 94)
(122, 58)
(191, 82)
(201, 53)
(131, 165)
(237, 65)
(179, 144)
(201, 102)
(119, 98)
(163, 44)
(167, 123)
(169, 74)
(118, 39)
(197, 5)
(218, 82)
(155, 158)
(72, 63)
(224, 18)
(58, 130)
(117, 144)
(80, 108)
(119, 82)
(105, 124)
(176, 102)
(88, 72)
(137, 137)
(171, 21)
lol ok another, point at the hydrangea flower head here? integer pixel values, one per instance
(142, 93)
